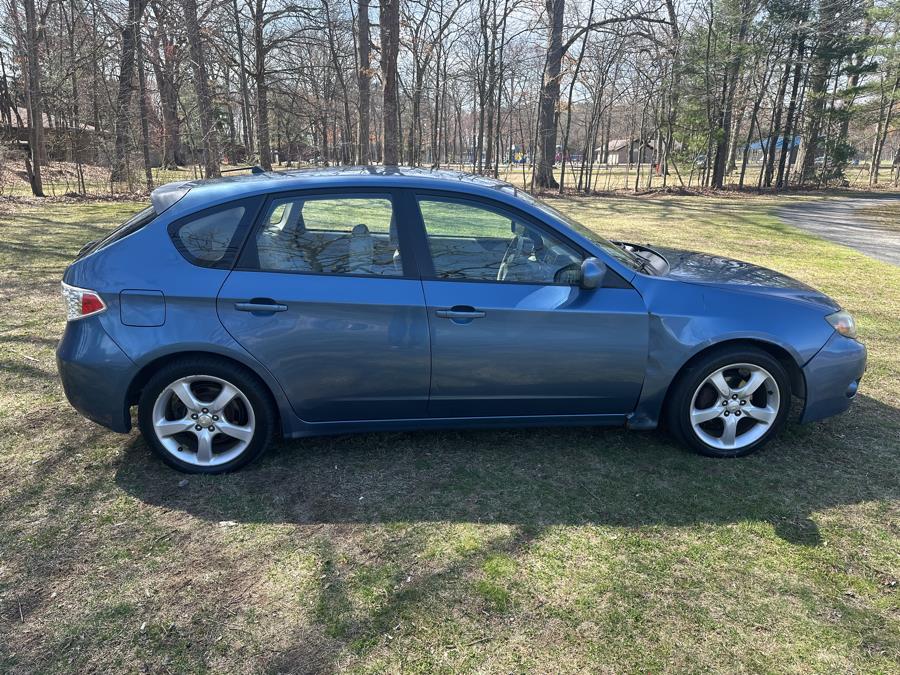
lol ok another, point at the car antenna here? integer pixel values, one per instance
(255, 169)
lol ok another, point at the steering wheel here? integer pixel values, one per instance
(518, 248)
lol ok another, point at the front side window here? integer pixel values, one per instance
(617, 251)
(329, 235)
(472, 241)
(209, 238)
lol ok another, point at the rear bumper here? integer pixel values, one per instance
(95, 374)
(832, 377)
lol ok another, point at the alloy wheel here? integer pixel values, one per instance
(735, 406)
(203, 420)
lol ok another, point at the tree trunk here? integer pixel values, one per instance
(364, 83)
(818, 86)
(490, 84)
(33, 103)
(499, 107)
(545, 150)
(881, 133)
(163, 57)
(126, 85)
(776, 121)
(164, 72)
(565, 143)
(143, 112)
(787, 139)
(246, 108)
(389, 13)
(208, 131)
(674, 89)
(262, 88)
(730, 88)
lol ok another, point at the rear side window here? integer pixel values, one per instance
(338, 234)
(211, 238)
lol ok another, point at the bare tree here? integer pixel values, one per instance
(33, 99)
(129, 30)
(710, 83)
(363, 83)
(208, 132)
(389, 13)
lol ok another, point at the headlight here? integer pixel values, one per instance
(843, 323)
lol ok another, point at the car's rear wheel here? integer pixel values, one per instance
(731, 402)
(204, 415)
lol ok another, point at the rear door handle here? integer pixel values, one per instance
(459, 312)
(261, 305)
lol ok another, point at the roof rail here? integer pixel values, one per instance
(255, 169)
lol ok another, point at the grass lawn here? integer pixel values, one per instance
(495, 551)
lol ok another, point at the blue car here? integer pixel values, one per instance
(364, 299)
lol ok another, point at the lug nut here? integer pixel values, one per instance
(194, 416)
(726, 413)
(198, 427)
(743, 402)
(724, 402)
(737, 412)
(211, 427)
(734, 396)
(216, 418)
(206, 410)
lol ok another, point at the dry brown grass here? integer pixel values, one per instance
(548, 550)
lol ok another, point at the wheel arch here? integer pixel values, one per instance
(793, 368)
(147, 369)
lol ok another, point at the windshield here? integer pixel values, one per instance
(620, 254)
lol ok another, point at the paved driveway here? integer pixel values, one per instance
(839, 220)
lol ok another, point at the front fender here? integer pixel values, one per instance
(686, 320)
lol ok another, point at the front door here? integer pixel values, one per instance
(512, 334)
(328, 299)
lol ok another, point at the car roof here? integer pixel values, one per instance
(195, 194)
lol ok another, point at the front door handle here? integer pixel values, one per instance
(460, 312)
(260, 305)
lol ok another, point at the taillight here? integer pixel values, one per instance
(81, 302)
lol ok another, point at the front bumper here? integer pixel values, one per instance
(832, 377)
(95, 373)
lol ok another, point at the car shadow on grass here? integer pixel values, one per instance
(543, 477)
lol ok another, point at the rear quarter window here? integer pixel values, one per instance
(212, 237)
(138, 221)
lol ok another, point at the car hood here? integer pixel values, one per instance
(705, 268)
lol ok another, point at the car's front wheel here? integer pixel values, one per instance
(203, 415)
(730, 402)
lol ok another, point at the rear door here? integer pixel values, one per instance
(327, 296)
(512, 333)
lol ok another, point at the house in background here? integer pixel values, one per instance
(625, 151)
(64, 141)
(758, 149)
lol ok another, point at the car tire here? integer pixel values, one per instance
(206, 415)
(749, 403)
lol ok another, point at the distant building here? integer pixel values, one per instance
(62, 138)
(758, 150)
(625, 151)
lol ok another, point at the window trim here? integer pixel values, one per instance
(428, 271)
(248, 260)
(238, 239)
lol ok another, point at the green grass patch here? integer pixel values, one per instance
(536, 550)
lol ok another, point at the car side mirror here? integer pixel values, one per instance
(593, 271)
